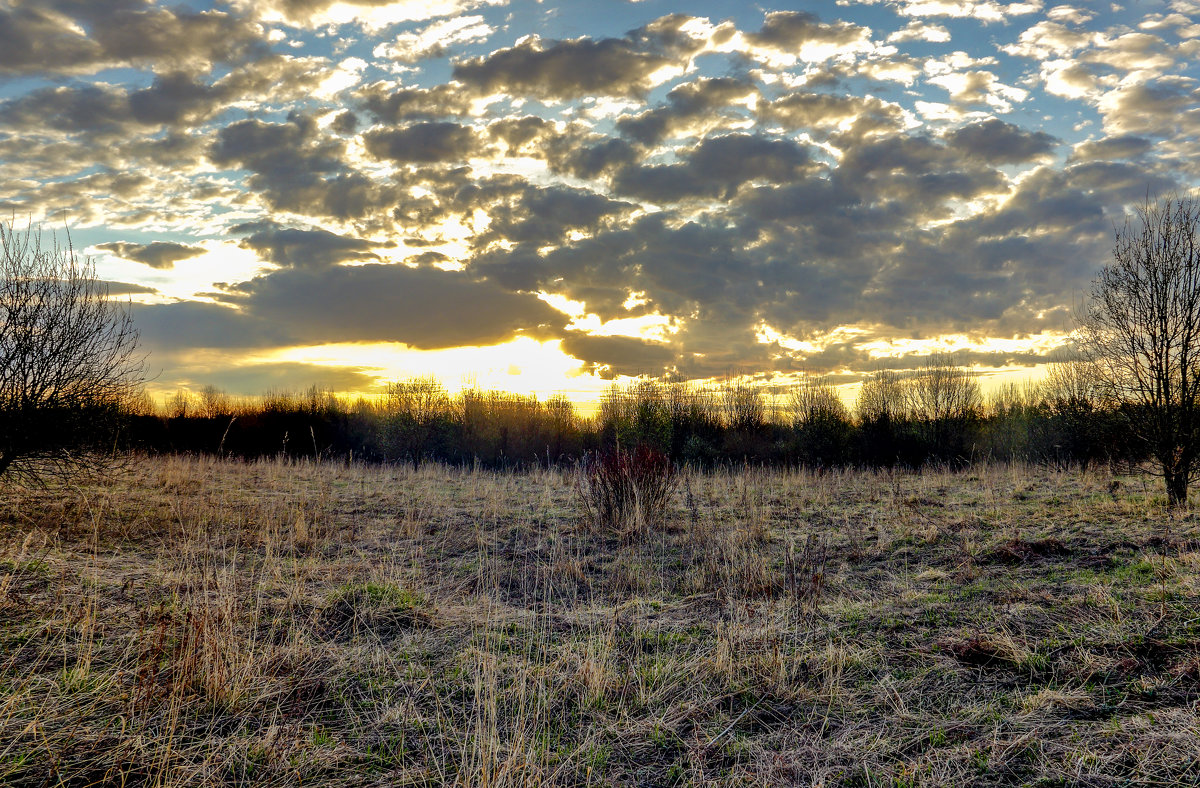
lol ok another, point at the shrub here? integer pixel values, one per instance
(626, 491)
(68, 360)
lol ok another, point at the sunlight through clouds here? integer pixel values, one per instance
(564, 195)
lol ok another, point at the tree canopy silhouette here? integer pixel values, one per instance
(1141, 328)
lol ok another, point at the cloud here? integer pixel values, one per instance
(256, 379)
(610, 356)
(1159, 108)
(695, 179)
(979, 87)
(824, 111)
(522, 213)
(67, 37)
(371, 14)
(919, 30)
(423, 142)
(182, 325)
(297, 167)
(115, 289)
(420, 307)
(701, 100)
(435, 40)
(563, 70)
(313, 248)
(1126, 146)
(391, 104)
(1048, 40)
(89, 108)
(174, 99)
(156, 254)
(997, 142)
(805, 33)
(983, 10)
(716, 167)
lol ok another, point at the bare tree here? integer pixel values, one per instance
(1141, 329)
(743, 404)
(814, 400)
(944, 400)
(881, 398)
(1079, 428)
(820, 422)
(68, 359)
(942, 392)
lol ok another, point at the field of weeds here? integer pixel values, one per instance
(203, 622)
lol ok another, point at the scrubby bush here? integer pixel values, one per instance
(626, 491)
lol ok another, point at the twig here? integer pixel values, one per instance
(712, 742)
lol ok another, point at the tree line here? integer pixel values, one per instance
(69, 367)
(936, 414)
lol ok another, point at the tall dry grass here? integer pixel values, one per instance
(204, 622)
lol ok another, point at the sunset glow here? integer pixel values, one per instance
(551, 196)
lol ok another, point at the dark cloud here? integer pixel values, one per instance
(997, 142)
(256, 379)
(35, 39)
(297, 167)
(522, 213)
(716, 167)
(156, 254)
(180, 325)
(87, 108)
(558, 70)
(592, 159)
(524, 132)
(1126, 146)
(345, 123)
(686, 104)
(289, 246)
(421, 307)
(787, 31)
(390, 104)
(677, 267)
(115, 289)
(72, 37)
(283, 156)
(423, 142)
(824, 111)
(176, 99)
(618, 355)
(914, 177)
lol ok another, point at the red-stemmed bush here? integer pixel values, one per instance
(626, 491)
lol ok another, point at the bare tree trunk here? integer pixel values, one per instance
(1177, 486)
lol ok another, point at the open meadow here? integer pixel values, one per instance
(201, 622)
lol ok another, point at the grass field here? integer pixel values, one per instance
(202, 622)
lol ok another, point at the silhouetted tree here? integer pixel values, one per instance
(1141, 329)
(882, 412)
(68, 359)
(1078, 428)
(820, 423)
(944, 402)
(419, 418)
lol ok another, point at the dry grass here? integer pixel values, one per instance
(202, 622)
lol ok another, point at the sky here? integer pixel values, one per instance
(548, 197)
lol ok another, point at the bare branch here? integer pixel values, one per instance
(68, 358)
